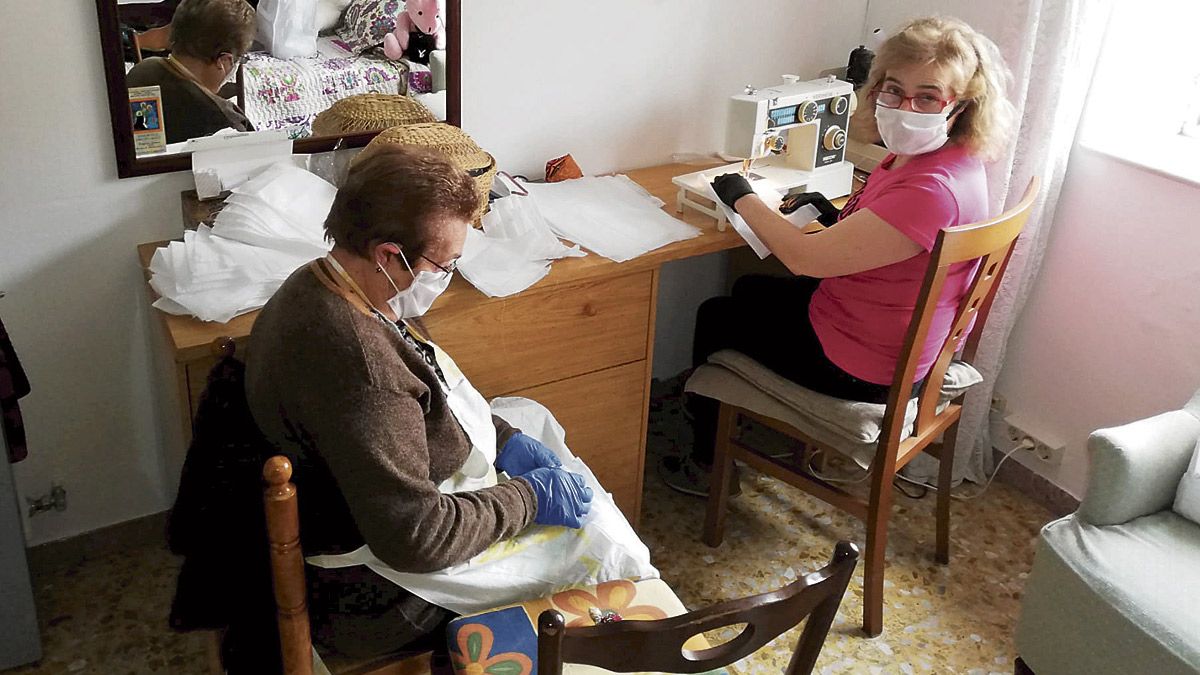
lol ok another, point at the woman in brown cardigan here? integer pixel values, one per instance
(336, 376)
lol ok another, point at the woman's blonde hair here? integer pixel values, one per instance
(979, 75)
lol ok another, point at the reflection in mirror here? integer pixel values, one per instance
(310, 68)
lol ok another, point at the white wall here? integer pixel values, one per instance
(1111, 332)
(620, 84)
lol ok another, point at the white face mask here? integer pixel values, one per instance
(415, 300)
(905, 132)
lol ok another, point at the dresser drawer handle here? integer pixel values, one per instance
(590, 310)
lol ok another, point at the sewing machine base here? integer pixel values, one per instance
(832, 181)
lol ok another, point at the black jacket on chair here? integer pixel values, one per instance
(219, 527)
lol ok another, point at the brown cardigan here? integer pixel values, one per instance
(325, 376)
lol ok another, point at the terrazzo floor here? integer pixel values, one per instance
(108, 615)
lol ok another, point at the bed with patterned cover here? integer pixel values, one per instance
(288, 94)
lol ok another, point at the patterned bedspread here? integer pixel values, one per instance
(289, 93)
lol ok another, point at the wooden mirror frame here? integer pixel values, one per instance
(129, 165)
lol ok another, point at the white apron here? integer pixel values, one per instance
(540, 560)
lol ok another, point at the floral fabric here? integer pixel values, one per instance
(365, 22)
(503, 641)
(288, 94)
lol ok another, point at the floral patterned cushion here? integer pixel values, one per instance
(503, 641)
(365, 22)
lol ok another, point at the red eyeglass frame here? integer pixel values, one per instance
(944, 101)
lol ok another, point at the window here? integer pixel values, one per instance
(1144, 104)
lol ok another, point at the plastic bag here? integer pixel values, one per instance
(288, 28)
(540, 560)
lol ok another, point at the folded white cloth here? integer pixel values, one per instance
(271, 225)
(514, 250)
(609, 215)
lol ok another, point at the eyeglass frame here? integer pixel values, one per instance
(445, 270)
(944, 101)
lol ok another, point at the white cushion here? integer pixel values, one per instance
(1187, 498)
(851, 426)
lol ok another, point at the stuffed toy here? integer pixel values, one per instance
(418, 32)
(329, 13)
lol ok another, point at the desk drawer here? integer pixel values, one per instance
(603, 414)
(545, 336)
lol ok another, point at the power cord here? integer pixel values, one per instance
(1025, 444)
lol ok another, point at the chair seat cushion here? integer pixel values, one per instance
(508, 635)
(736, 379)
(1114, 598)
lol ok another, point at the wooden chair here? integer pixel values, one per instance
(156, 40)
(989, 242)
(287, 574)
(658, 645)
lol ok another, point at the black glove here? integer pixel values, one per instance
(731, 187)
(829, 212)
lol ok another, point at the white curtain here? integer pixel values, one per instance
(1051, 47)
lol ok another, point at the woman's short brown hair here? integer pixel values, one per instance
(205, 29)
(401, 194)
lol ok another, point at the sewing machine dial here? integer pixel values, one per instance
(834, 139)
(840, 104)
(808, 111)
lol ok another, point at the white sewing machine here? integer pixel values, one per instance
(792, 137)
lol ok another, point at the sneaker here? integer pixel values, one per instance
(683, 474)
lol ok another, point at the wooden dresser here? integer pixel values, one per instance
(580, 341)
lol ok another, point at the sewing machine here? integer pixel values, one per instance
(792, 138)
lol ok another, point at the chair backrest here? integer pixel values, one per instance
(659, 645)
(991, 243)
(287, 566)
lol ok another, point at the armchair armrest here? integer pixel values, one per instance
(1135, 469)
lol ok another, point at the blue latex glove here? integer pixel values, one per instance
(522, 454)
(562, 496)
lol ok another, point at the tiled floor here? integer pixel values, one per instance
(108, 615)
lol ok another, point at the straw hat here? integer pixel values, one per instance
(369, 112)
(450, 141)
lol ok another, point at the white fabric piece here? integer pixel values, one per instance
(287, 28)
(1052, 48)
(271, 224)
(800, 217)
(1187, 498)
(514, 250)
(608, 215)
(228, 158)
(474, 415)
(539, 561)
(216, 279)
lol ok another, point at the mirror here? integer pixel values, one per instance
(327, 73)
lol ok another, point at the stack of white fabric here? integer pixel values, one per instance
(271, 225)
(514, 250)
(609, 215)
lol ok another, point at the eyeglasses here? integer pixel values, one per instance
(446, 269)
(922, 103)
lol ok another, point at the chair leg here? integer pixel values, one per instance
(718, 484)
(878, 514)
(945, 476)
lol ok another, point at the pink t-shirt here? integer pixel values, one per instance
(862, 319)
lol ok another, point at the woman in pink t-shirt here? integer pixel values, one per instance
(937, 90)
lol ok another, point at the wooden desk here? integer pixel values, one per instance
(580, 342)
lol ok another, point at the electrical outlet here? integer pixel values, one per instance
(1048, 453)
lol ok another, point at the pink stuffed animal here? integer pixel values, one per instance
(418, 32)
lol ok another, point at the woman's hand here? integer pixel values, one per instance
(731, 187)
(522, 454)
(562, 497)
